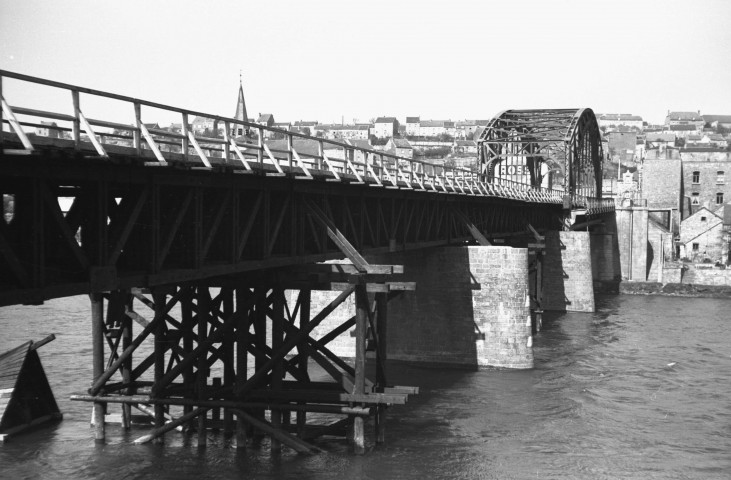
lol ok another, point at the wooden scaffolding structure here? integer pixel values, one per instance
(193, 359)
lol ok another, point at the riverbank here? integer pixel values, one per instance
(675, 289)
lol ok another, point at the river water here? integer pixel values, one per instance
(641, 389)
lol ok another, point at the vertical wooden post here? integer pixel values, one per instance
(361, 321)
(185, 143)
(136, 134)
(260, 150)
(158, 297)
(76, 124)
(278, 370)
(242, 340)
(203, 306)
(321, 155)
(97, 348)
(381, 357)
(188, 326)
(260, 336)
(226, 138)
(127, 365)
(289, 152)
(539, 290)
(229, 373)
(216, 411)
(305, 305)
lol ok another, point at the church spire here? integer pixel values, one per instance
(241, 108)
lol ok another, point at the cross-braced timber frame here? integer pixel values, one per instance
(558, 148)
(222, 353)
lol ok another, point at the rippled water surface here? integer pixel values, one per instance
(639, 390)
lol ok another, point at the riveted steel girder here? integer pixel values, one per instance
(557, 148)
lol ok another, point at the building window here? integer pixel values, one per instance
(695, 247)
(695, 200)
(719, 198)
(720, 177)
(696, 177)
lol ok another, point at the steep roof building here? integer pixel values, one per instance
(241, 110)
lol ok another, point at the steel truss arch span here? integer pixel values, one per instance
(555, 148)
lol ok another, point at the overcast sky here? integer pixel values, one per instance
(327, 60)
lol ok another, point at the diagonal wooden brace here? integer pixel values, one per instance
(291, 343)
(337, 237)
(481, 239)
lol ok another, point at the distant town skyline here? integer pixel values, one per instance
(331, 61)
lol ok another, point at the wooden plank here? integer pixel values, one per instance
(297, 444)
(402, 389)
(172, 425)
(198, 149)
(151, 143)
(17, 128)
(40, 343)
(370, 287)
(92, 135)
(325, 396)
(348, 268)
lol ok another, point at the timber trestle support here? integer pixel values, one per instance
(536, 258)
(239, 355)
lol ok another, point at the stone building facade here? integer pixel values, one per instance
(385, 127)
(701, 237)
(662, 186)
(707, 183)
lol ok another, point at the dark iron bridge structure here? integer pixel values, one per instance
(544, 148)
(200, 251)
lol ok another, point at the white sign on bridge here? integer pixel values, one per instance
(514, 170)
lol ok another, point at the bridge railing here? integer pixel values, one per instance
(586, 199)
(242, 145)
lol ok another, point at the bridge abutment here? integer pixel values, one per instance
(470, 309)
(568, 284)
(605, 258)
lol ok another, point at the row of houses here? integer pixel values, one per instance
(381, 128)
(630, 145)
(683, 123)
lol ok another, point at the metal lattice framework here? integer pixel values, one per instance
(553, 148)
